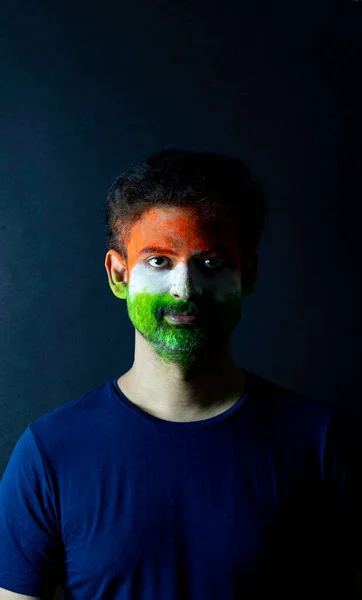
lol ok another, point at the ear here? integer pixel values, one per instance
(249, 274)
(117, 273)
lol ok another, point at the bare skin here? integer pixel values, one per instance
(171, 390)
(170, 393)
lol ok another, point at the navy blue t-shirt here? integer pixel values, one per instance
(116, 504)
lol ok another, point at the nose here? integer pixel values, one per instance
(183, 284)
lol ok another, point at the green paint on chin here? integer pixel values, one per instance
(183, 343)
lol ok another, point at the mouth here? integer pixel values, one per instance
(181, 318)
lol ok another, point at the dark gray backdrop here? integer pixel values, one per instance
(89, 88)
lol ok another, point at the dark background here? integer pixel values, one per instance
(90, 88)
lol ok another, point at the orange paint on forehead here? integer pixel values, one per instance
(182, 233)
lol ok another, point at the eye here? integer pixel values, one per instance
(212, 264)
(156, 258)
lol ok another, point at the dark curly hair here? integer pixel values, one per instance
(220, 186)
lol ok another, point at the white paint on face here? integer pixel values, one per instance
(183, 280)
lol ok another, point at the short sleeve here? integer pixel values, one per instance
(30, 544)
(343, 480)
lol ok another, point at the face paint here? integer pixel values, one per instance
(179, 264)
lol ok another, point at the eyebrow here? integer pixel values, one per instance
(149, 249)
(158, 249)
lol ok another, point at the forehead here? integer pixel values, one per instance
(179, 228)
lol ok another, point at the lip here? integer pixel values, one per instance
(181, 318)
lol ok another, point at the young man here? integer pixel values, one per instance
(187, 477)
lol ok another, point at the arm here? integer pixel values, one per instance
(343, 469)
(358, 584)
(30, 546)
(7, 595)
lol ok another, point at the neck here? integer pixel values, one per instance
(173, 391)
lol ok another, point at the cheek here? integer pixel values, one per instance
(225, 284)
(146, 280)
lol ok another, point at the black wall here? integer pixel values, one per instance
(89, 88)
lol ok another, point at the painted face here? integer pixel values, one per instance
(182, 265)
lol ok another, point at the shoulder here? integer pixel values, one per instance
(336, 429)
(288, 408)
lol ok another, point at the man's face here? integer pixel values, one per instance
(178, 264)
